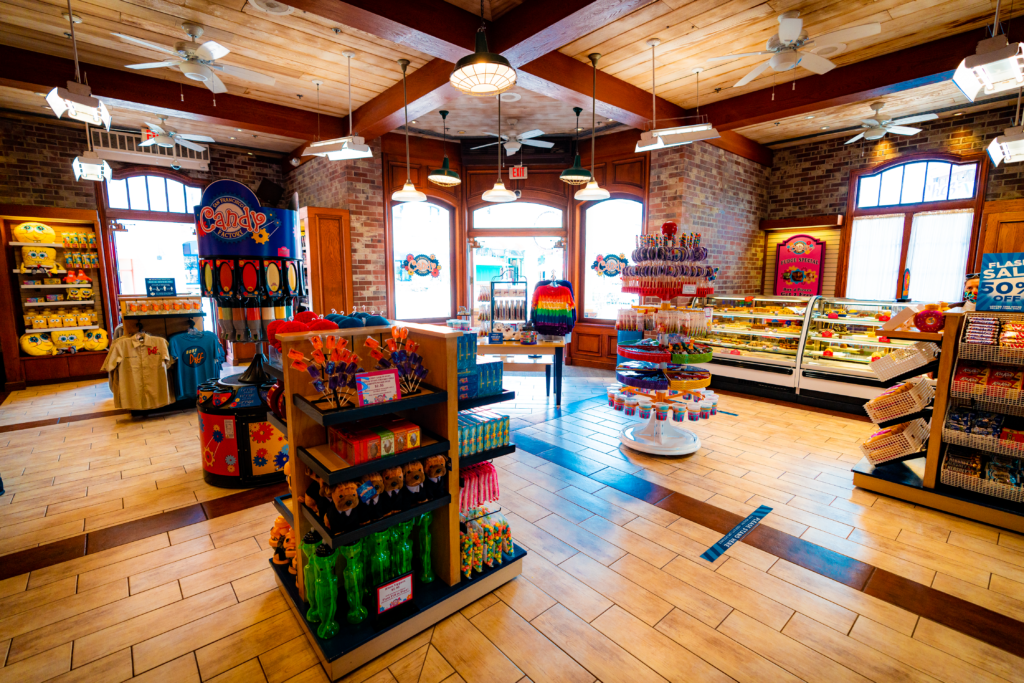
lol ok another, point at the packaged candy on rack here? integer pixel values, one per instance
(972, 378)
(1003, 470)
(964, 463)
(1011, 436)
(987, 424)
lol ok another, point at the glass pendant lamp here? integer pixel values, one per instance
(576, 174)
(498, 193)
(444, 176)
(408, 193)
(483, 72)
(592, 192)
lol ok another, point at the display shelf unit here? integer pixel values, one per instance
(348, 538)
(281, 426)
(753, 333)
(858, 342)
(24, 286)
(758, 316)
(157, 316)
(283, 505)
(916, 479)
(330, 467)
(478, 401)
(42, 273)
(54, 245)
(435, 411)
(36, 304)
(483, 456)
(64, 329)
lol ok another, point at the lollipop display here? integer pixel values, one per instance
(667, 266)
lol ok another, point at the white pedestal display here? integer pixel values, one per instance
(659, 437)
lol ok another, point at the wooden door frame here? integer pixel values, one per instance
(977, 203)
(453, 263)
(991, 219)
(318, 270)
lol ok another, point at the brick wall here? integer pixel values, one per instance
(813, 179)
(35, 165)
(357, 186)
(723, 197)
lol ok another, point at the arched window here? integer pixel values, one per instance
(610, 230)
(422, 235)
(152, 193)
(913, 227)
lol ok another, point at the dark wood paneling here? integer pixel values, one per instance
(330, 247)
(587, 343)
(631, 172)
(45, 368)
(544, 181)
(80, 365)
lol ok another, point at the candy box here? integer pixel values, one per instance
(1012, 435)
(49, 281)
(356, 447)
(1004, 378)
(55, 297)
(406, 435)
(469, 383)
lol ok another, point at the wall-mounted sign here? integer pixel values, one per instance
(799, 262)
(1002, 283)
(160, 286)
(231, 223)
(517, 173)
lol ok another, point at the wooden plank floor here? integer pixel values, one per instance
(613, 588)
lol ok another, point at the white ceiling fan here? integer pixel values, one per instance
(513, 144)
(784, 47)
(157, 135)
(196, 60)
(877, 128)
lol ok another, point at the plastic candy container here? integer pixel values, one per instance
(631, 405)
(661, 411)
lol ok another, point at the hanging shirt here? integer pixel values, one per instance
(198, 357)
(138, 367)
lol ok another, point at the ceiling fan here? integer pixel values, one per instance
(196, 60)
(877, 128)
(513, 144)
(784, 47)
(157, 135)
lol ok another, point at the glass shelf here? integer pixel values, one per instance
(859, 342)
(755, 333)
(771, 344)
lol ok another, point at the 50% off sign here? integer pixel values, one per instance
(1002, 283)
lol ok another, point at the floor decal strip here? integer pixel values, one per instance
(737, 532)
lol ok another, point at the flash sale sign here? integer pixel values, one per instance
(1002, 283)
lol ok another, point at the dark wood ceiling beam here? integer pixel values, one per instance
(895, 72)
(40, 73)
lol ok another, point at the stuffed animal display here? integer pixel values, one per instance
(96, 340)
(36, 258)
(351, 504)
(34, 232)
(68, 341)
(36, 343)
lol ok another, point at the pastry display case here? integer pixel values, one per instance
(756, 340)
(843, 336)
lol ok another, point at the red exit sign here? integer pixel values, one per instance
(517, 172)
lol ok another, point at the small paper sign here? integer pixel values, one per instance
(689, 289)
(394, 593)
(378, 386)
(160, 286)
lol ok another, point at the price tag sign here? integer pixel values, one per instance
(689, 289)
(394, 593)
(1002, 283)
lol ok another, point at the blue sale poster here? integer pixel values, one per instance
(1002, 283)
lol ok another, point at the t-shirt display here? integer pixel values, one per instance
(138, 366)
(199, 357)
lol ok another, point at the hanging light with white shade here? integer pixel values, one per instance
(592, 191)
(483, 72)
(339, 149)
(498, 193)
(408, 193)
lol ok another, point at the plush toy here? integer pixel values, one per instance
(391, 499)
(68, 319)
(96, 340)
(413, 474)
(290, 552)
(36, 344)
(339, 517)
(34, 232)
(79, 293)
(314, 493)
(370, 487)
(33, 258)
(434, 469)
(54, 320)
(69, 341)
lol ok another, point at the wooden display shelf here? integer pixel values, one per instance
(483, 456)
(19, 271)
(281, 504)
(87, 284)
(157, 316)
(358, 643)
(62, 329)
(477, 401)
(348, 538)
(33, 304)
(427, 396)
(54, 245)
(914, 336)
(330, 467)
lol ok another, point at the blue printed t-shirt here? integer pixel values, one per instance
(199, 359)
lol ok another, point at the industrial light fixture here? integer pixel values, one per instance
(408, 193)
(576, 174)
(339, 149)
(592, 192)
(498, 193)
(997, 65)
(444, 176)
(482, 72)
(76, 100)
(1008, 148)
(89, 166)
(661, 138)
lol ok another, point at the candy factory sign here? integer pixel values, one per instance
(798, 265)
(231, 222)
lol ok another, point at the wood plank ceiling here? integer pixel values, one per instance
(299, 47)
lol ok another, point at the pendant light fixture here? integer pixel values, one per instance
(444, 176)
(482, 72)
(576, 174)
(408, 193)
(89, 166)
(678, 135)
(339, 149)
(592, 192)
(498, 193)
(996, 66)
(76, 100)
(1008, 148)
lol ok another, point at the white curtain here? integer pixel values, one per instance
(937, 257)
(875, 257)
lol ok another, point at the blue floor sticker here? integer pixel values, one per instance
(737, 532)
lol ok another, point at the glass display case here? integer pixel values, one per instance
(843, 335)
(768, 329)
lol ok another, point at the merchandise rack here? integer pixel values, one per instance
(478, 401)
(922, 480)
(435, 410)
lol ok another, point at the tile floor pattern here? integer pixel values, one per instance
(612, 590)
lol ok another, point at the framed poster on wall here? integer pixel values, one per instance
(798, 266)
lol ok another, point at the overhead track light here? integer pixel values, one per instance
(339, 149)
(1008, 148)
(996, 66)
